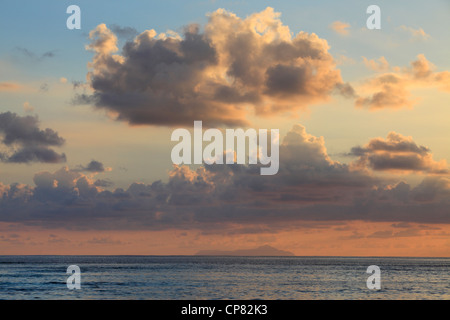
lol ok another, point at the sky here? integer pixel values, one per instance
(86, 117)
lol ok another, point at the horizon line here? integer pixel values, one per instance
(195, 255)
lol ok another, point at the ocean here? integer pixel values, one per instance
(222, 278)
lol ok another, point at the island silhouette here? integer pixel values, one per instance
(265, 251)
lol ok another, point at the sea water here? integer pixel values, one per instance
(221, 277)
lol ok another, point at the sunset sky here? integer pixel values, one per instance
(86, 118)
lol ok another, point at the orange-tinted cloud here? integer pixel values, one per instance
(340, 27)
(9, 86)
(392, 89)
(217, 76)
(416, 34)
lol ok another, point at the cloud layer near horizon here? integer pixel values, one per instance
(309, 186)
(220, 75)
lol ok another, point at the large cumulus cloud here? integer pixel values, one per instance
(218, 75)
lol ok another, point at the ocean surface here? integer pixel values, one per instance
(209, 277)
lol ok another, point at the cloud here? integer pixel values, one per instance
(27, 107)
(54, 239)
(340, 27)
(25, 130)
(342, 60)
(392, 93)
(416, 34)
(432, 189)
(380, 65)
(124, 32)
(13, 239)
(35, 154)
(346, 90)
(398, 153)
(34, 56)
(309, 189)
(390, 234)
(44, 87)
(93, 166)
(309, 186)
(9, 86)
(63, 186)
(104, 183)
(78, 84)
(219, 75)
(105, 241)
(27, 142)
(392, 89)
(103, 41)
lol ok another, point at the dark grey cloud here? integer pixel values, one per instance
(27, 142)
(25, 130)
(33, 56)
(310, 188)
(36, 154)
(78, 84)
(93, 166)
(124, 32)
(397, 152)
(104, 183)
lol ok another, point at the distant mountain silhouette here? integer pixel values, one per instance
(260, 251)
